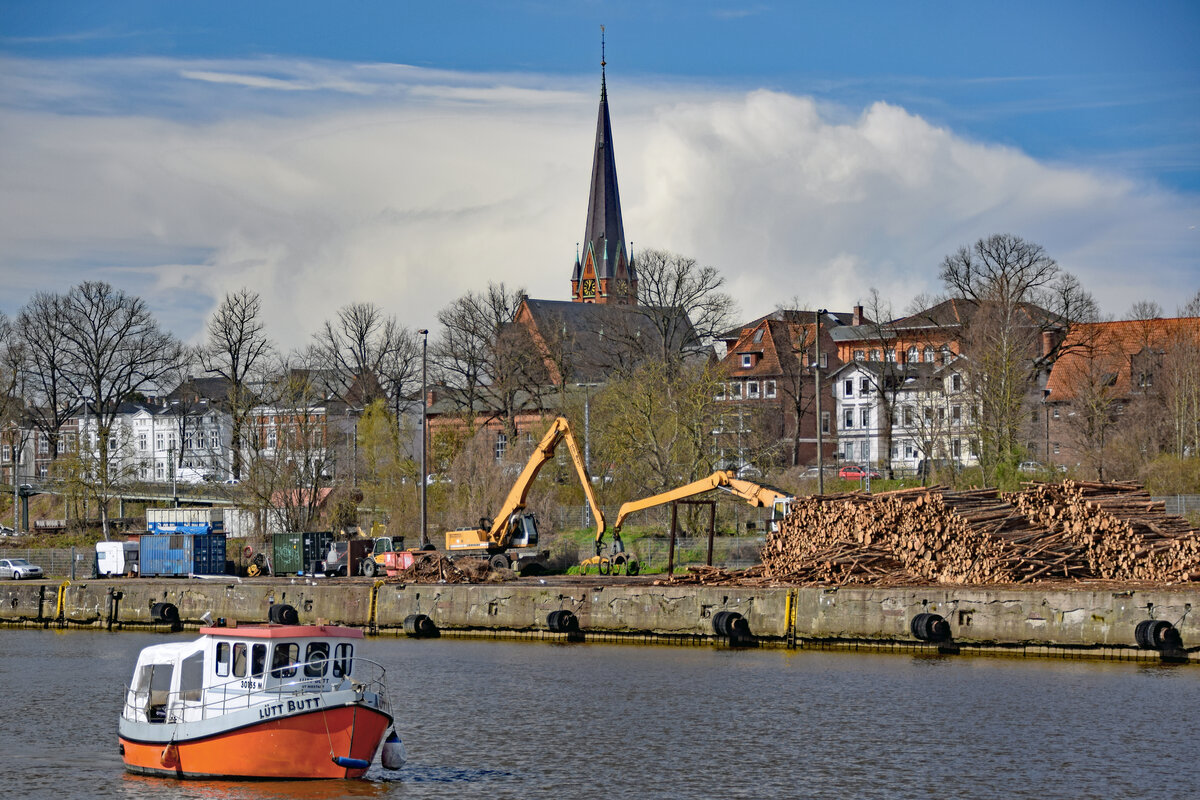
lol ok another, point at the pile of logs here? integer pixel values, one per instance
(1061, 531)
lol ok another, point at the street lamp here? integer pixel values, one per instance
(587, 441)
(424, 436)
(816, 368)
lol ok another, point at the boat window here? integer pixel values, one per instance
(160, 689)
(239, 660)
(258, 660)
(283, 662)
(222, 664)
(343, 658)
(191, 677)
(316, 659)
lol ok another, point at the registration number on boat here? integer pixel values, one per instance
(252, 684)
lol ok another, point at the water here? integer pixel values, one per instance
(532, 720)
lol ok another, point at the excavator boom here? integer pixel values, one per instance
(755, 494)
(500, 530)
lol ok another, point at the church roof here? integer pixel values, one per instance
(604, 234)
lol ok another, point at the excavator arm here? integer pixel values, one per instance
(544, 452)
(755, 494)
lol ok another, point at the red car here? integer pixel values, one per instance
(853, 472)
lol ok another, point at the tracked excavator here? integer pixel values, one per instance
(510, 538)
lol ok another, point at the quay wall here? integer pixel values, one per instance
(1076, 620)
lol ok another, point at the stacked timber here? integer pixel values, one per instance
(1119, 531)
(1070, 531)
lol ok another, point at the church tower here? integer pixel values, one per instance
(604, 271)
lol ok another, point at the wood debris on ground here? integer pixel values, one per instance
(433, 567)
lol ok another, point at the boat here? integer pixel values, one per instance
(271, 701)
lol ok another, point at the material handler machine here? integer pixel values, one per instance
(755, 494)
(510, 539)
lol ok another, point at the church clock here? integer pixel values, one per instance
(589, 287)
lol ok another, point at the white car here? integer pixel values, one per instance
(18, 568)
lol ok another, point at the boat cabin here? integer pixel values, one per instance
(232, 669)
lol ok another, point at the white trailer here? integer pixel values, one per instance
(116, 558)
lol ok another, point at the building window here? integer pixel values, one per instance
(1056, 448)
(142, 442)
(848, 453)
(752, 389)
(848, 418)
(956, 448)
(735, 390)
(859, 355)
(501, 445)
(909, 419)
(44, 445)
(720, 395)
(1054, 413)
(875, 355)
(271, 438)
(913, 355)
(864, 386)
(956, 414)
(824, 422)
(158, 471)
(824, 361)
(865, 416)
(928, 355)
(187, 441)
(160, 442)
(889, 356)
(848, 388)
(956, 383)
(769, 389)
(947, 356)
(747, 360)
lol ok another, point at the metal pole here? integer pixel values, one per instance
(671, 547)
(424, 437)
(817, 389)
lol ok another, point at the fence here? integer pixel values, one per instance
(1181, 504)
(74, 563)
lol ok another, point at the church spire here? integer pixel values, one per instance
(603, 272)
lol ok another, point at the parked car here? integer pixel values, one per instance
(18, 568)
(853, 472)
(813, 472)
(7, 531)
(1029, 467)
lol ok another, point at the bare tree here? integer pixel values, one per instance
(236, 349)
(484, 364)
(684, 302)
(53, 400)
(114, 348)
(1018, 292)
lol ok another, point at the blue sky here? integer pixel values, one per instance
(183, 149)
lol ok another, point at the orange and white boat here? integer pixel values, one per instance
(269, 701)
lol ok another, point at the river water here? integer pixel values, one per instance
(535, 720)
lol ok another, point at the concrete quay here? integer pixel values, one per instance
(1054, 622)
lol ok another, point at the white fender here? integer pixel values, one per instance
(394, 755)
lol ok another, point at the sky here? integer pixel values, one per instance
(404, 154)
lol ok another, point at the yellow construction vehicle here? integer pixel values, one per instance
(510, 539)
(755, 494)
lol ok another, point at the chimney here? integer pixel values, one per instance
(430, 398)
(857, 316)
(1047, 343)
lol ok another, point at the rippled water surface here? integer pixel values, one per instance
(532, 720)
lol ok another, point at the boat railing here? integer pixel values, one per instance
(274, 685)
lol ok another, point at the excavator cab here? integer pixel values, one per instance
(524, 530)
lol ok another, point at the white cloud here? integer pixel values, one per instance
(408, 187)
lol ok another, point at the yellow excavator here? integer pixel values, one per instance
(755, 494)
(510, 539)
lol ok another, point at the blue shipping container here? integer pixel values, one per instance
(182, 554)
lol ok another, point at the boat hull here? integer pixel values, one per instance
(296, 746)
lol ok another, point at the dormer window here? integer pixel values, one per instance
(747, 360)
